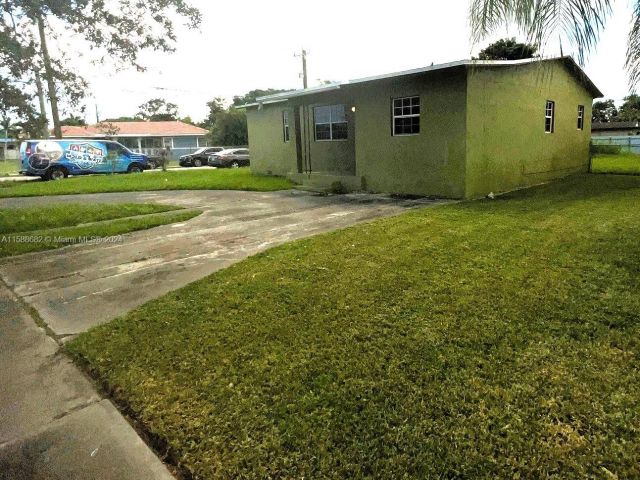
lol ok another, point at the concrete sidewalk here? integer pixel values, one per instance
(53, 423)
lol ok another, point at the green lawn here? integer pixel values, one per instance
(488, 339)
(9, 166)
(214, 179)
(33, 229)
(624, 163)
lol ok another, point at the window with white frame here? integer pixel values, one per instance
(330, 123)
(580, 117)
(550, 116)
(285, 125)
(406, 116)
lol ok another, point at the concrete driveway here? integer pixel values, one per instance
(80, 286)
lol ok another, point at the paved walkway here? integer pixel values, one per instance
(53, 423)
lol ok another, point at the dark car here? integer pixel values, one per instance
(232, 158)
(199, 157)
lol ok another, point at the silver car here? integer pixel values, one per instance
(231, 158)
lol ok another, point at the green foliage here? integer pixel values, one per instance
(158, 109)
(488, 339)
(618, 163)
(508, 49)
(630, 109)
(338, 188)
(580, 21)
(74, 121)
(230, 129)
(216, 107)
(122, 119)
(60, 226)
(604, 111)
(219, 179)
(253, 95)
(605, 149)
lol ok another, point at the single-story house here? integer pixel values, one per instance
(145, 137)
(615, 129)
(456, 130)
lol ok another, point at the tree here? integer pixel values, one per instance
(73, 121)
(216, 107)
(508, 49)
(118, 29)
(158, 109)
(604, 111)
(230, 129)
(630, 109)
(123, 119)
(580, 21)
(253, 95)
(108, 129)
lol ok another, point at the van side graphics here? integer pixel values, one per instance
(84, 155)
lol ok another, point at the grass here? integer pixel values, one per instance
(623, 163)
(9, 166)
(488, 339)
(32, 229)
(214, 179)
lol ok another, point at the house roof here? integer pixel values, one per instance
(137, 129)
(569, 62)
(614, 125)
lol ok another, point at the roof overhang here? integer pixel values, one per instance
(569, 62)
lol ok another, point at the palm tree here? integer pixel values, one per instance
(580, 20)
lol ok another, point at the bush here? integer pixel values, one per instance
(605, 149)
(338, 188)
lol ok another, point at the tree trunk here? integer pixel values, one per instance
(48, 73)
(44, 133)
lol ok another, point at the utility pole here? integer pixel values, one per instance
(48, 71)
(44, 133)
(97, 114)
(303, 55)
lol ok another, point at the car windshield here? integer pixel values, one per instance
(200, 150)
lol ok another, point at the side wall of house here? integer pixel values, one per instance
(430, 163)
(270, 154)
(507, 147)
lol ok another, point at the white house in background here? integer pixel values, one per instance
(145, 137)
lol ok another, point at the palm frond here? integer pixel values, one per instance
(633, 50)
(580, 21)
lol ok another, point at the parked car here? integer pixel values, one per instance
(199, 157)
(232, 158)
(57, 159)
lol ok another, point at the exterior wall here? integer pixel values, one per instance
(507, 146)
(270, 154)
(430, 163)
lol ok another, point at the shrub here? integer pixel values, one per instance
(606, 149)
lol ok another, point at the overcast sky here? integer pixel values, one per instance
(243, 45)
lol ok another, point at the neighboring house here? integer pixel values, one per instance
(145, 137)
(9, 148)
(457, 130)
(615, 129)
(625, 135)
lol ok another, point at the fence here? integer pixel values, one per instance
(629, 144)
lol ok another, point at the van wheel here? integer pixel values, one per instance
(56, 173)
(235, 164)
(134, 168)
